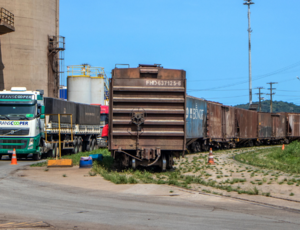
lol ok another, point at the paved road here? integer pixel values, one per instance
(73, 208)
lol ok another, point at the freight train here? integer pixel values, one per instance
(25, 128)
(152, 120)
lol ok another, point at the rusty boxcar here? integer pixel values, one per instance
(271, 128)
(279, 127)
(216, 128)
(293, 126)
(246, 126)
(220, 125)
(147, 115)
(265, 130)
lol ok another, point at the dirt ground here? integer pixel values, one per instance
(267, 182)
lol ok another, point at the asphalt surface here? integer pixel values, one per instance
(65, 207)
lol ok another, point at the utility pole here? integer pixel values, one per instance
(271, 94)
(248, 3)
(260, 98)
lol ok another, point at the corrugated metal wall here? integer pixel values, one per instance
(159, 96)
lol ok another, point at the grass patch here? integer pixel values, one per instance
(287, 160)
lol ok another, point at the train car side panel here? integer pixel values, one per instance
(246, 124)
(228, 122)
(195, 118)
(279, 125)
(214, 121)
(265, 129)
(293, 125)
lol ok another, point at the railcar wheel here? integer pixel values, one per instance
(250, 143)
(170, 161)
(133, 164)
(163, 163)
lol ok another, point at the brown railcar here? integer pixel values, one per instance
(279, 126)
(246, 126)
(147, 115)
(293, 126)
(220, 125)
(271, 128)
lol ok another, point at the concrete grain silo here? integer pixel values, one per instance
(31, 54)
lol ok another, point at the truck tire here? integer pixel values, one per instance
(36, 156)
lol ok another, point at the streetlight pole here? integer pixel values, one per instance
(248, 3)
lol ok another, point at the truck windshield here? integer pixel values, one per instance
(103, 119)
(17, 112)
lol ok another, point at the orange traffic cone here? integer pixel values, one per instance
(282, 147)
(14, 158)
(210, 158)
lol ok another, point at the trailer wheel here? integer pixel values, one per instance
(96, 146)
(80, 147)
(93, 145)
(75, 148)
(88, 146)
(52, 152)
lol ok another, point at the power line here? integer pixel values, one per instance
(258, 78)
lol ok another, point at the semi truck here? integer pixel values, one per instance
(104, 116)
(33, 124)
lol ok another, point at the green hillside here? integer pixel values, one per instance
(278, 106)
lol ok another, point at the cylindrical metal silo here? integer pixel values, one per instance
(25, 52)
(79, 89)
(97, 90)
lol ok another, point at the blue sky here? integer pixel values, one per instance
(206, 38)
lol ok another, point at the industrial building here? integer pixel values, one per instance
(32, 56)
(87, 84)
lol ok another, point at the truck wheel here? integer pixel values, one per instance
(36, 156)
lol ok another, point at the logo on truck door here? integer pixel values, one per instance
(13, 122)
